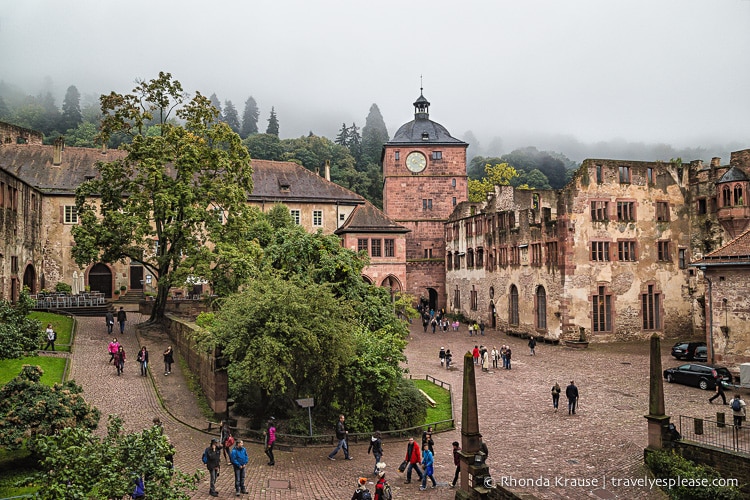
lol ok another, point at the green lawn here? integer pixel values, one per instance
(53, 368)
(15, 466)
(63, 325)
(442, 397)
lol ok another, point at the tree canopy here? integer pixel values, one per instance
(496, 175)
(374, 136)
(273, 123)
(20, 335)
(181, 184)
(249, 118)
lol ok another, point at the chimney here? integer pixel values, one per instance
(57, 155)
(715, 161)
(328, 170)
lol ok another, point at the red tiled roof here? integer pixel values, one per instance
(734, 252)
(368, 218)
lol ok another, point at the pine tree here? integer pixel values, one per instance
(249, 118)
(217, 104)
(355, 145)
(343, 138)
(273, 123)
(374, 136)
(231, 117)
(71, 110)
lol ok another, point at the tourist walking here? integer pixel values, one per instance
(382, 486)
(212, 459)
(112, 347)
(168, 360)
(508, 354)
(122, 317)
(226, 439)
(239, 459)
(481, 327)
(571, 392)
(361, 493)
(341, 435)
(120, 360)
(51, 337)
(428, 461)
(143, 360)
(555, 396)
(376, 447)
(270, 439)
(719, 391)
(738, 410)
(456, 462)
(413, 458)
(475, 354)
(109, 318)
(441, 355)
(532, 346)
(495, 355)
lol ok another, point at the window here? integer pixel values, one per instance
(738, 200)
(295, 216)
(599, 210)
(389, 247)
(515, 256)
(454, 201)
(662, 211)
(702, 207)
(624, 174)
(457, 260)
(428, 253)
(513, 306)
(457, 298)
(602, 311)
(662, 251)
(219, 213)
(502, 256)
(551, 256)
(71, 215)
(625, 211)
(541, 308)
(599, 176)
(426, 204)
(449, 261)
(626, 251)
(480, 258)
(726, 196)
(375, 248)
(362, 245)
(474, 298)
(536, 254)
(650, 309)
(469, 229)
(342, 217)
(453, 182)
(14, 264)
(470, 257)
(650, 175)
(317, 217)
(437, 155)
(682, 258)
(600, 251)
(156, 247)
(397, 155)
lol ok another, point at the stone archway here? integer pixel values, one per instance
(29, 278)
(100, 279)
(433, 298)
(393, 284)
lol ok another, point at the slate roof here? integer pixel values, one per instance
(732, 175)
(735, 252)
(367, 218)
(33, 165)
(285, 181)
(423, 130)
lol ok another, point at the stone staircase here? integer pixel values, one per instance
(131, 297)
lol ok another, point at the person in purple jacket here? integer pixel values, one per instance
(270, 436)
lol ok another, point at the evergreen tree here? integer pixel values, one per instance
(355, 146)
(374, 136)
(273, 123)
(249, 118)
(71, 109)
(4, 110)
(216, 103)
(231, 117)
(343, 138)
(50, 120)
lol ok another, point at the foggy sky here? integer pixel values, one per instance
(653, 71)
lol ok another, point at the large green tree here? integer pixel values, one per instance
(81, 465)
(249, 118)
(231, 117)
(30, 409)
(20, 335)
(164, 202)
(71, 109)
(374, 136)
(273, 123)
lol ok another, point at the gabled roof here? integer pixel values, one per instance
(735, 252)
(732, 175)
(33, 165)
(367, 218)
(286, 181)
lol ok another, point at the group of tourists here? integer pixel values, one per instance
(117, 351)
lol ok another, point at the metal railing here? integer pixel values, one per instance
(715, 433)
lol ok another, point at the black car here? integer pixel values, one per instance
(685, 350)
(701, 353)
(703, 376)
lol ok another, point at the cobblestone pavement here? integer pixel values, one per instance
(526, 439)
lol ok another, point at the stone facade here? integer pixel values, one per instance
(607, 257)
(421, 195)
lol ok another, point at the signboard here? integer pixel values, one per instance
(306, 402)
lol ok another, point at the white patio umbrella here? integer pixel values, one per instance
(76, 290)
(81, 283)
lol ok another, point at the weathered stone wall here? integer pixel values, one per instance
(11, 134)
(731, 314)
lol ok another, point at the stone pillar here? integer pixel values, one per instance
(472, 484)
(658, 421)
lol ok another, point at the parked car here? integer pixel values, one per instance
(701, 353)
(703, 376)
(685, 350)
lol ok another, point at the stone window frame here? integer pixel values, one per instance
(389, 247)
(376, 247)
(599, 210)
(627, 250)
(296, 215)
(513, 318)
(540, 308)
(70, 214)
(599, 251)
(602, 307)
(363, 245)
(651, 301)
(663, 251)
(317, 218)
(626, 211)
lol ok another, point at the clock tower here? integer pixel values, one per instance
(424, 178)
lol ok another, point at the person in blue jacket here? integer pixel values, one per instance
(428, 461)
(238, 457)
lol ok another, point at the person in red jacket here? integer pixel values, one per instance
(382, 484)
(414, 457)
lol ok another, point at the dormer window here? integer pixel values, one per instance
(425, 136)
(284, 188)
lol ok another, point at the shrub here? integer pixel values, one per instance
(405, 408)
(668, 465)
(62, 287)
(123, 288)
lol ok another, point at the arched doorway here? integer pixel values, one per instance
(100, 279)
(367, 279)
(393, 284)
(29, 278)
(433, 298)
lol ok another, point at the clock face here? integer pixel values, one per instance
(416, 162)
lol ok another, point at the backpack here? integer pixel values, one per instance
(387, 493)
(205, 457)
(736, 405)
(365, 495)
